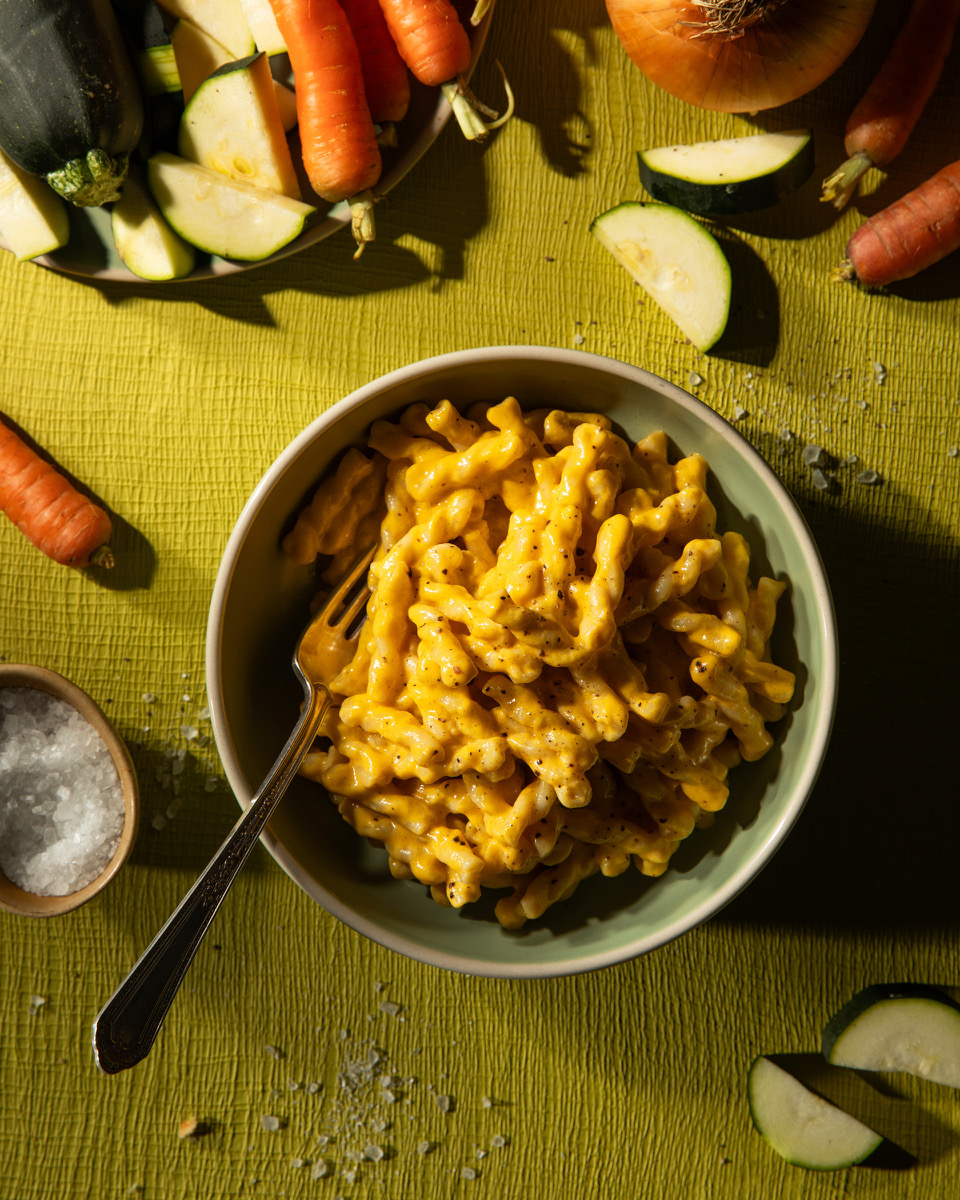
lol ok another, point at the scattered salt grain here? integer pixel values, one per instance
(953, 451)
(149, 697)
(739, 412)
(578, 339)
(389, 1007)
(468, 1173)
(498, 1141)
(869, 476)
(444, 1103)
(694, 378)
(373, 1152)
(269, 1123)
(36, 1003)
(814, 456)
(312, 1088)
(297, 1163)
(486, 1102)
(425, 1147)
(320, 1169)
(275, 1052)
(61, 812)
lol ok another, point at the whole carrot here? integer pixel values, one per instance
(338, 141)
(48, 509)
(386, 80)
(430, 37)
(882, 122)
(909, 235)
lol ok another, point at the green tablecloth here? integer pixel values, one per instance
(170, 402)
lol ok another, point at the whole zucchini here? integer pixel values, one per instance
(71, 110)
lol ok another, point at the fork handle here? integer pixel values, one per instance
(129, 1022)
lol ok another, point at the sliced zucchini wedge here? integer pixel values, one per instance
(33, 218)
(221, 215)
(729, 175)
(801, 1126)
(907, 1027)
(676, 261)
(233, 125)
(143, 239)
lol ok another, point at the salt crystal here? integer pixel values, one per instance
(869, 476)
(296, 1163)
(498, 1141)
(425, 1147)
(486, 1102)
(813, 456)
(953, 451)
(820, 480)
(468, 1173)
(319, 1170)
(694, 378)
(389, 1007)
(61, 812)
(269, 1123)
(149, 697)
(443, 1103)
(373, 1152)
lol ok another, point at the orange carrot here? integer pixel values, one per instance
(385, 78)
(338, 142)
(430, 37)
(48, 509)
(909, 235)
(882, 122)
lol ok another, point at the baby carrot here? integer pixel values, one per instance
(882, 122)
(48, 509)
(338, 140)
(909, 235)
(385, 77)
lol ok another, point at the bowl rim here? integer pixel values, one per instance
(15, 899)
(818, 739)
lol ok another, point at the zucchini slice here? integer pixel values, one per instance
(233, 125)
(145, 242)
(221, 19)
(907, 1027)
(801, 1126)
(729, 175)
(221, 215)
(33, 218)
(676, 261)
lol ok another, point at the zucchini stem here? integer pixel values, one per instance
(88, 182)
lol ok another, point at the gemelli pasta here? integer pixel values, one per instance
(562, 657)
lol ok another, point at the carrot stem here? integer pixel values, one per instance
(840, 186)
(470, 111)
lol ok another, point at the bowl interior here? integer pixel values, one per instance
(260, 604)
(14, 898)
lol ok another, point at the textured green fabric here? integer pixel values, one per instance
(169, 402)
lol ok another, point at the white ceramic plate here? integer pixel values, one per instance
(90, 251)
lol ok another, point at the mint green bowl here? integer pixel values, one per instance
(259, 606)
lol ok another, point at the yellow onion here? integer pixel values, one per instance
(739, 55)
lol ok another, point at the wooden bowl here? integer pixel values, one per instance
(14, 899)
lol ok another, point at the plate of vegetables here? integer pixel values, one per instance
(187, 139)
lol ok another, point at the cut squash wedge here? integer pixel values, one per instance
(729, 175)
(907, 1027)
(801, 1126)
(223, 216)
(676, 261)
(33, 218)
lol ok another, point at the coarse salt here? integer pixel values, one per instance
(61, 803)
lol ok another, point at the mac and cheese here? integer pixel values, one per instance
(562, 657)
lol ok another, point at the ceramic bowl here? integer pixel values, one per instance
(14, 899)
(259, 605)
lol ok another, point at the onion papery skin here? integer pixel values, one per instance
(784, 54)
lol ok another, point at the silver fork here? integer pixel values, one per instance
(129, 1022)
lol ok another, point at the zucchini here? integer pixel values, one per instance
(223, 20)
(145, 242)
(263, 26)
(71, 110)
(676, 261)
(33, 218)
(729, 175)
(143, 24)
(907, 1027)
(223, 216)
(801, 1126)
(233, 125)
